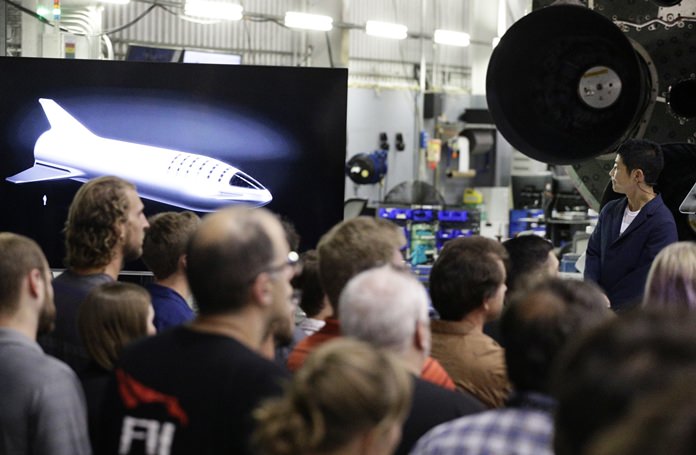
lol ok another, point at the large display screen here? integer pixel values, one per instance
(196, 137)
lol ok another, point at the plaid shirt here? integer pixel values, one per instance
(524, 428)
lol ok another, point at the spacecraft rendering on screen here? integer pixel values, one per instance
(68, 150)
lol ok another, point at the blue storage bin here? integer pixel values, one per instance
(395, 213)
(458, 216)
(422, 215)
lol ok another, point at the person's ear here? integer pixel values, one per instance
(639, 175)
(261, 290)
(421, 337)
(36, 283)
(121, 229)
(325, 303)
(182, 263)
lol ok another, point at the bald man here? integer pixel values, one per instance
(191, 389)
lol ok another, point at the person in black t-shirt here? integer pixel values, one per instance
(192, 389)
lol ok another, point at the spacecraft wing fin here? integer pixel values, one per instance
(41, 172)
(60, 119)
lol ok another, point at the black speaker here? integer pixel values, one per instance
(432, 105)
(565, 85)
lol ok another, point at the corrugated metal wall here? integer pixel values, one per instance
(371, 60)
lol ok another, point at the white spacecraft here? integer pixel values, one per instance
(68, 150)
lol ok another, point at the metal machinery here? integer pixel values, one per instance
(571, 81)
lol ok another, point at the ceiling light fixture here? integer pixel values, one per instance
(386, 30)
(308, 21)
(451, 38)
(213, 10)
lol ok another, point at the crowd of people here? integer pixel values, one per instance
(211, 358)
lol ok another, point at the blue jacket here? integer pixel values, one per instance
(620, 263)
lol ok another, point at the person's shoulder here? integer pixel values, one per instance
(35, 363)
(71, 283)
(158, 291)
(613, 205)
(145, 347)
(492, 347)
(68, 276)
(53, 374)
(658, 205)
(433, 396)
(308, 344)
(171, 310)
(454, 435)
(252, 373)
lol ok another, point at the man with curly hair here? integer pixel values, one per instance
(105, 227)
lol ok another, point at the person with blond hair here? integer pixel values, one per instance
(672, 278)
(112, 316)
(348, 398)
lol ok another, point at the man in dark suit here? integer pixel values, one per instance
(631, 230)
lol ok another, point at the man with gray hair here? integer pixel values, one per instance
(351, 247)
(389, 309)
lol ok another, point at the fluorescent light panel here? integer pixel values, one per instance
(43, 11)
(213, 10)
(115, 2)
(451, 38)
(308, 21)
(386, 30)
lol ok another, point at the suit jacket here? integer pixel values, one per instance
(620, 263)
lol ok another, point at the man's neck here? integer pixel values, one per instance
(326, 312)
(243, 327)
(20, 324)
(641, 196)
(413, 360)
(112, 269)
(177, 282)
(267, 348)
(476, 319)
